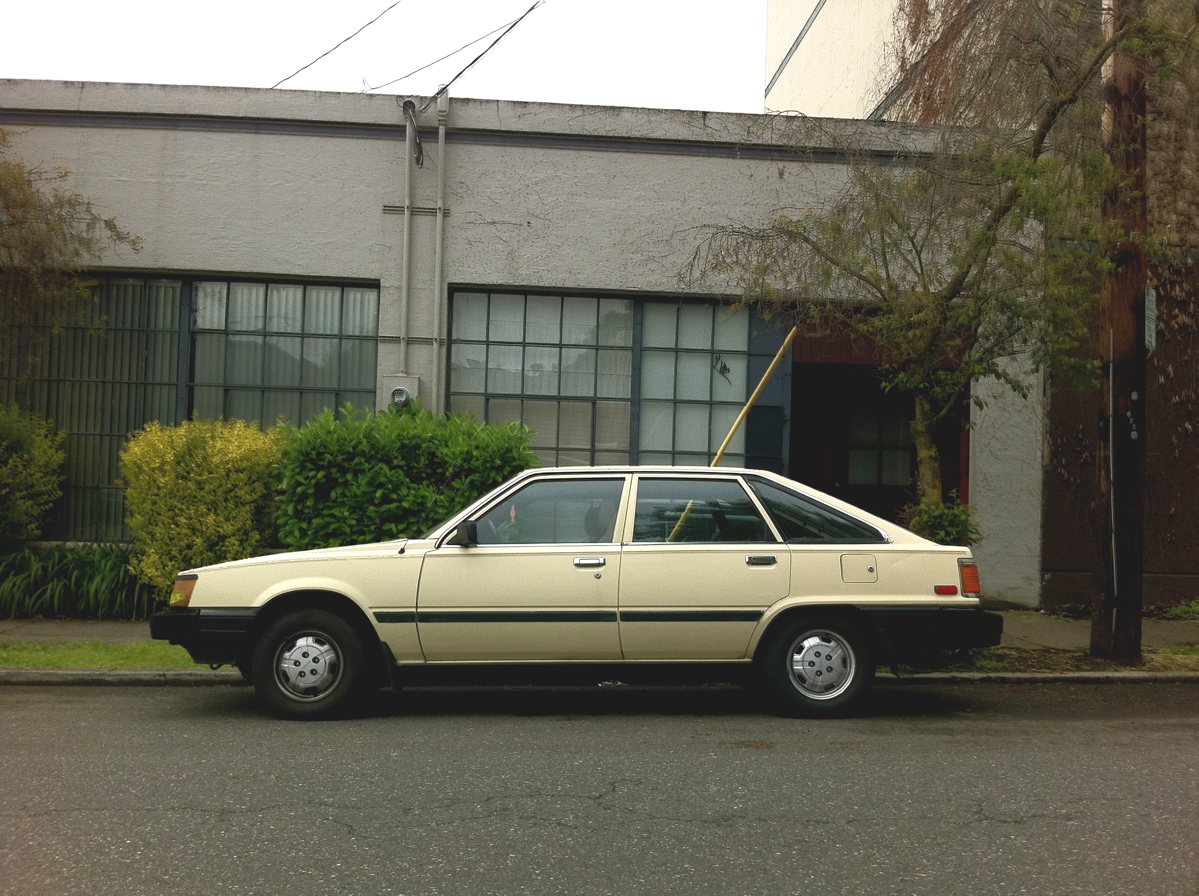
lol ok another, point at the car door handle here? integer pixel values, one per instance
(589, 562)
(760, 560)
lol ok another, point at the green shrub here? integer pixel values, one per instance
(198, 493)
(948, 523)
(357, 477)
(1186, 611)
(85, 581)
(31, 459)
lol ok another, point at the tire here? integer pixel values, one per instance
(308, 664)
(818, 666)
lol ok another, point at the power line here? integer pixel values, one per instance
(468, 66)
(351, 37)
(435, 61)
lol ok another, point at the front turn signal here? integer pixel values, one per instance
(970, 581)
(181, 594)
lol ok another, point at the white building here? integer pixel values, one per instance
(519, 261)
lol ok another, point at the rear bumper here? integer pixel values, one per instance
(906, 631)
(212, 635)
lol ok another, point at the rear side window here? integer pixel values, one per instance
(803, 520)
(697, 510)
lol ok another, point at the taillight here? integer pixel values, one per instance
(969, 571)
(181, 594)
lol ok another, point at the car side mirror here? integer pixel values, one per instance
(466, 535)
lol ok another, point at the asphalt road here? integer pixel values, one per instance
(939, 789)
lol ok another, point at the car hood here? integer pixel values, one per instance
(347, 552)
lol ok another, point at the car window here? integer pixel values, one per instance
(697, 510)
(803, 520)
(555, 511)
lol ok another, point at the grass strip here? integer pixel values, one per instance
(93, 655)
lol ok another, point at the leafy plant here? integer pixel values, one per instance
(84, 581)
(199, 493)
(948, 523)
(1186, 611)
(31, 459)
(358, 477)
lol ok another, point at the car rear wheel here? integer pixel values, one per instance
(308, 664)
(818, 665)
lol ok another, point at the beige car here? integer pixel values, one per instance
(586, 569)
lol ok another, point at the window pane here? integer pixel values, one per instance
(503, 410)
(676, 510)
(804, 520)
(728, 378)
(543, 319)
(243, 404)
(469, 404)
(506, 318)
(614, 376)
(695, 326)
(320, 365)
(578, 371)
(247, 306)
(541, 370)
(612, 427)
(470, 316)
(244, 360)
(863, 466)
(731, 331)
(209, 358)
(658, 324)
(615, 322)
(578, 321)
(723, 418)
(468, 367)
(208, 402)
(691, 428)
(210, 300)
(322, 310)
(657, 375)
(574, 424)
(657, 426)
(897, 467)
(280, 404)
(694, 377)
(313, 403)
(542, 418)
(358, 366)
(555, 512)
(285, 309)
(504, 369)
(282, 366)
(360, 312)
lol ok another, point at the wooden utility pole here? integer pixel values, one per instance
(1116, 619)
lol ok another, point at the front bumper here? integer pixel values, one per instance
(212, 635)
(904, 632)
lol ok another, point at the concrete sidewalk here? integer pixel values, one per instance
(1026, 629)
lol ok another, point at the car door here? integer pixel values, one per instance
(700, 566)
(540, 584)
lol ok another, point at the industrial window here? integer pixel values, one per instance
(270, 351)
(258, 352)
(561, 364)
(603, 380)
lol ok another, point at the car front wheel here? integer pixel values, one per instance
(308, 664)
(818, 665)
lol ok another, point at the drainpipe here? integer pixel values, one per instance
(409, 148)
(443, 111)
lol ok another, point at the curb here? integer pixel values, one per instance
(214, 678)
(122, 677)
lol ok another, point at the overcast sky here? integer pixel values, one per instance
(679, 54)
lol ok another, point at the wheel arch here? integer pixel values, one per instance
(851, 613)
(334, 602)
